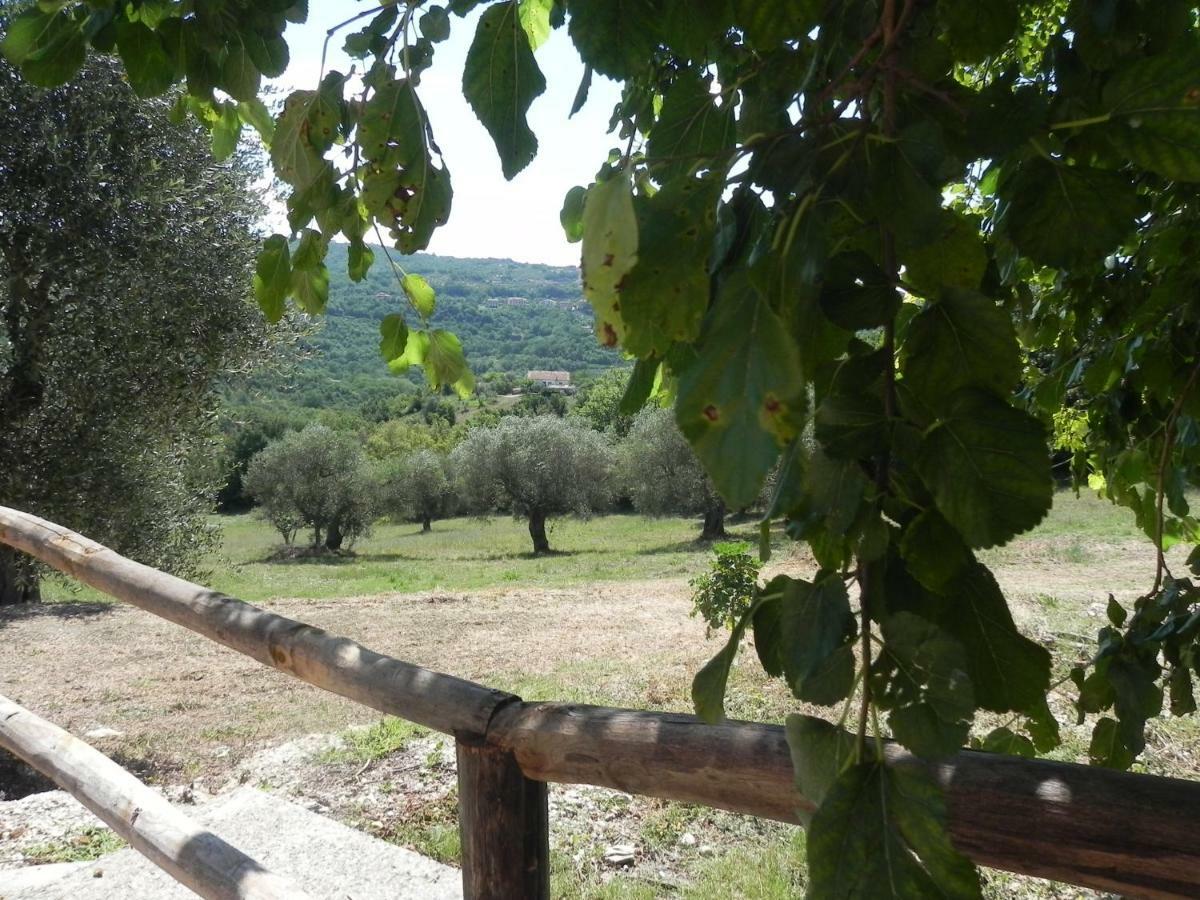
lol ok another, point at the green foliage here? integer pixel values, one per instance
(659, 472)
(316, 478)
(723, 594)
(954, 188)
(123, 298)
(534, 468)
(416, 487)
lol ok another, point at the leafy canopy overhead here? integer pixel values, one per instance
(946, 235)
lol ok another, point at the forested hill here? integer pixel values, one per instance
(510, 316)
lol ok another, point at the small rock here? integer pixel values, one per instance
(706, 850)
(620, 855)
(99, 734)
(687, 839)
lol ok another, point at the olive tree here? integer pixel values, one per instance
(124, 258)
(417, 487)
(317, 478)
(536, 468)
(662, 476)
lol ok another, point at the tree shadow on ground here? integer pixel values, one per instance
(69, 609)
(695, 545)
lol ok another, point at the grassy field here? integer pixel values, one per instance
(460, 554)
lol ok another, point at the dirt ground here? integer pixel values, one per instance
(186, 711)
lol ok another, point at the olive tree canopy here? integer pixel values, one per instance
(536, 468)
(125, 253)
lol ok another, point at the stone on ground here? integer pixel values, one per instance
(324, 857)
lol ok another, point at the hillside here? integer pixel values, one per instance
(550, 329)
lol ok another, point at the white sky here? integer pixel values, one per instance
(490, 217)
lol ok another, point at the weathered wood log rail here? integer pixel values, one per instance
(1138, 835)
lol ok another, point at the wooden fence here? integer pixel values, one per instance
(1135, 834)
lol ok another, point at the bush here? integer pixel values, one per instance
(726, 590)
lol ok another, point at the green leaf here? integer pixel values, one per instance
(239, 76)
(393, 337)
(962, 340)
(881, 833)
(273, 276)
(403, 189)
(359, 259)
(691, 132)
(49, 46)
(535, 20)
(978, 28)
(419, 294)
(708, 686)
(610, 242)
(665, 295)
(1067, 216)
(1005, 740)
(921, 677)
(147, 64)
(933, 551)
(1155, 103)
(445, 363)
(500, 81)
(1008, 671)
(769, 23)
(957, 258)
(1136, 697)
(743, 398)
(254, 113)
(646, 375)
(988, 467)
(1107, 747)
(435, 24)
(571, 216)
(581, 92)
(294, 158)
(1115, 611)
(815, 624)
(615, 37)
(310, 286)
(225, 131)
(820, 752)
(268, 52)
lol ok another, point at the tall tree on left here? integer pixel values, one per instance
(125, 258)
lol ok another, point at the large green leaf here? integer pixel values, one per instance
(1067, 216)
(978, 28)
(273, 276)
(921, 677)
(1155, 104)
(610, 243)
(293, 156)
(988, 468)
(816, 628)
(393, 337)
(962, 340)
(310, 287)
(614, 37)
(534, 16)
(49, 46)
(500, 81)
(150, 70)
(933, 551)
(239, 76)
(1008, 671)
(820, 752)
(665, 295)
(691, 132)
(743, 398)
(881, 833)
(957, 258)
(419, 294)
(708, 686)
(769, 23)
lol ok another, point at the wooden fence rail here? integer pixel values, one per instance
(190, 854)
(1135, 834)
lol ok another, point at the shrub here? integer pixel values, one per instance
(726, 590)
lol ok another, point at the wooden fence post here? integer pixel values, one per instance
(504, 823)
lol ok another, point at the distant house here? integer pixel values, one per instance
(516, 301)
(554, 381)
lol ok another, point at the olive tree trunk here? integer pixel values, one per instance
(537, 531)
(426, 524)
(334, 538)
(18, 584)
(714, 521)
